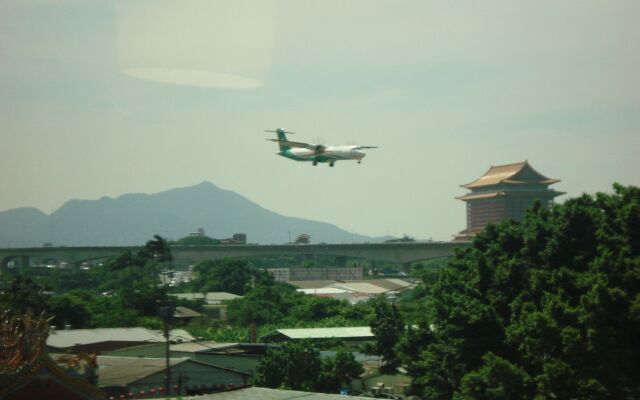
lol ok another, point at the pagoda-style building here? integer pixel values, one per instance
(504, 192)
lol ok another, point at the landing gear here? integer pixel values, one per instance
(331, 164)
(359, 161)
(315, 163)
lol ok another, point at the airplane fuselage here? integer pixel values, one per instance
(329, 155)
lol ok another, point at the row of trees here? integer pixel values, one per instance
(125, 292)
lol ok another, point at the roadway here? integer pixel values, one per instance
(399, 252)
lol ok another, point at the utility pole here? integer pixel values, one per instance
(165, 314)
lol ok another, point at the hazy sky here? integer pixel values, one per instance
(101, 98)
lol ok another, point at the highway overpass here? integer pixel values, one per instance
(399, 253)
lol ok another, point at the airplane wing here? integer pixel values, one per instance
(315, 147)
(365, 147)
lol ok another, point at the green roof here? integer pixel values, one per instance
(324, 333)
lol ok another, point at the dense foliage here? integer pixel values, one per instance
(298, 366)
(546, 308)
(228, 275)
(197, 241)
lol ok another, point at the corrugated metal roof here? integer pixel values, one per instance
(361, 287)
(325, 333)
(195, 347)
(120, 371)
(184, 312)
(388, 283)
(209, 297)
(68, 338)
(313, 284)
(257, 393)
(324, 290)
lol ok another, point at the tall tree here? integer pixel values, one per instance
(158, 249)
(294, 366)
(545, 308)
(388, 327)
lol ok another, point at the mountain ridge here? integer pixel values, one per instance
(133, 218)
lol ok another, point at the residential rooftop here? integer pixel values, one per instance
(71, 337)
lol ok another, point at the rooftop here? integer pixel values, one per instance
(71, 337)
(196, 347)
(209, 297)
(517, 173)
(361, 287)
(323, 333)
(120, 371)
(257, 393)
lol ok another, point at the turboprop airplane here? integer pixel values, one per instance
(316, 153)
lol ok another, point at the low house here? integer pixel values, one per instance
(334, 293)
(214, 306)
(208, 297)
(45, 380)
(354, 333)
(121, 375)
(253, 393)
(185, 314)
(355, 291)
(242, 357)
(104, 339)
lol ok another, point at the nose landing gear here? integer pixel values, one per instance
(331, 164)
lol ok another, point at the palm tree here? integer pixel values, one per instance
(158, 249)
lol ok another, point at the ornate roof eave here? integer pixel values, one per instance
(545, 182)
(44, 362)
(478, 196)
(498, 174)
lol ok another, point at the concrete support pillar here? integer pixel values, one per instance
(25, 261)
(406, 267)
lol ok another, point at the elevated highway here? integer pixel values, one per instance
(399, 253)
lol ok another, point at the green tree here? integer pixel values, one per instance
(228, 275)
(388, 327)
(338, 372)
(298, 366)
(24, 294)
(544, 308)
(264, 304)
(157, 249)
(295, 366)
(197, 241)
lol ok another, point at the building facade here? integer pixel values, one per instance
(504, 192)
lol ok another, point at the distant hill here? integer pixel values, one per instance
(132, 219)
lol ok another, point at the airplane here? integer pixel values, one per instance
(300, 151)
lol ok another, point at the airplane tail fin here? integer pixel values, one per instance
(282, 139)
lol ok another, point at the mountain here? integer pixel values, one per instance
(132, 219)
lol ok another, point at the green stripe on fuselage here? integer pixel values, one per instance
(319, 158)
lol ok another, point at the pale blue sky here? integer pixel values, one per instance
(445, 89)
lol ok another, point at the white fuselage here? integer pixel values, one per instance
(330, 153)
